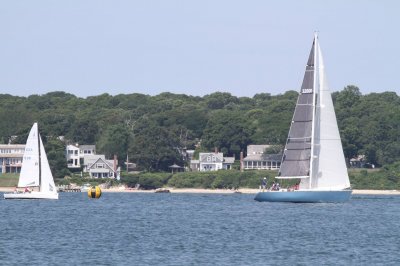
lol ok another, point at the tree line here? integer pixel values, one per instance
(154, 130)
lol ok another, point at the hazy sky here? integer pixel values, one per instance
(89, 47)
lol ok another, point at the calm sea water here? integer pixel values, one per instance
(198, 229)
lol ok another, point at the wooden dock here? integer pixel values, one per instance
(69, 189)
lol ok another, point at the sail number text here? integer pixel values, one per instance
(306, 91)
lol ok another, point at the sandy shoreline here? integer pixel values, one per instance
(223, 191)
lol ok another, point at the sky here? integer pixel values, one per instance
(91, 47)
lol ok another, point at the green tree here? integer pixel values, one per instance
(228, 131)
(55, 151)
(115, 141)
(154, 147)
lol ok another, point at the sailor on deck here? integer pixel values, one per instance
(264, 183)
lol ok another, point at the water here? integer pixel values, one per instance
(198, 229)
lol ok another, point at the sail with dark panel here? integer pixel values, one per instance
(313, 152)
(296, 157)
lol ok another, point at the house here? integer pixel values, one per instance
(11, 156)
(211, 161)
(360, 161)
(75, 154)
(257, 159)
(98, 167)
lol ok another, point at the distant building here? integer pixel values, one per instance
(211, 161)
(98, 167)
(75, 154)
(257, 159)
(360, 161)
(11, 156)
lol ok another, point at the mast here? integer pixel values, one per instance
(313, 110)
(40, 160)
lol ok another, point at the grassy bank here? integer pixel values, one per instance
(385, 178)
(9, 180)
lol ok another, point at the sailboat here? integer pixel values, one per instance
(313, 152)
(36, 176)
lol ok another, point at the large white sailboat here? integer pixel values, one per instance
(36, 177)
(313, 152)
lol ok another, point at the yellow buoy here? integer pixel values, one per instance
(94, 192)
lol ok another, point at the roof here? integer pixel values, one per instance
(87, 147)
(263, 157)
(100, 159)
(175, 166)
(229, 159)
(211, 157)
(12, 146)
(92, 158)
(256, 149)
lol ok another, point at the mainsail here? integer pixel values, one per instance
(29, 176)
(35, 171)
(296, 156)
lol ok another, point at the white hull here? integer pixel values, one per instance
(31, 195)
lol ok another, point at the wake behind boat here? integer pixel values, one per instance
(313, 152)
(36, 178)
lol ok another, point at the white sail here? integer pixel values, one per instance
(47, 180)
(330, 169)
(29, 176)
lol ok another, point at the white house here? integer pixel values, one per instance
(257, 159)
(98, 167)
(11, 157)
(75, 154)
(211, 161)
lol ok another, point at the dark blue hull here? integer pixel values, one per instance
(304, 196)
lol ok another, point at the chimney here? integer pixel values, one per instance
(216, 149)
(241, 161)
(115, 165)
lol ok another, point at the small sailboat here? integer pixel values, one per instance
(36, 177)
(313, 152)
